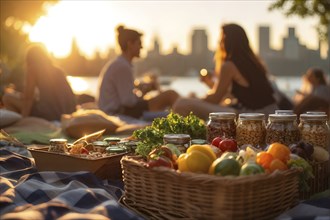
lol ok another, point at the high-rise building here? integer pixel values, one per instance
(291, 45)
(199, 42)
(264, 45)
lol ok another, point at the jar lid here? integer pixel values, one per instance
(284, 112)
(313, 117)
(316, 113)
(177, 138)
(112, 139)
(198, 141)
(282, 117)
(58, 141)
(222, 115)
(113, 149)
(100, 144)
(252, 116)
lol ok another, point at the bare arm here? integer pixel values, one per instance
(28, 94)
(221, 86)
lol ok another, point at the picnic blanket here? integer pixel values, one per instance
(29, 194)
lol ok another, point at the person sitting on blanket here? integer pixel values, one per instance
(116, 82)
(47, 93)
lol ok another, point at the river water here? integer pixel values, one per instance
(183, 85)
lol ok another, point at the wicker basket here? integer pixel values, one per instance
(161, 193)
(321, 180)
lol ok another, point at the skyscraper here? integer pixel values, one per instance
(199, 42)
(264, 39)
(291, 45)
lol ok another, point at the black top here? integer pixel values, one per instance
(259, 94)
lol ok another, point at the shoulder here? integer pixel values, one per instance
(229, 67)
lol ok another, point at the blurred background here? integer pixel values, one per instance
(179, 38)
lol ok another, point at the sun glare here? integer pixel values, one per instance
(90, 23)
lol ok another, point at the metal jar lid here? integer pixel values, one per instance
(177, 138)
(115, 149)
(282, 117)
(58, 141)
(251, 116)
(100, 144)
(222, 115)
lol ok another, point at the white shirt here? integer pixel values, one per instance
(116, 84)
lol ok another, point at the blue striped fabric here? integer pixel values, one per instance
(28, 194)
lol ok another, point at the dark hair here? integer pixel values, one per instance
(237, 48)
(37, 54)
(126, 35)
(318, 73)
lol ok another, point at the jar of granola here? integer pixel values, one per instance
(251, 129)
(58, 145)
(181, 141)
(314, 129)
(282, 128)
(221, 124)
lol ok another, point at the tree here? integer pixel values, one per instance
(304, 8)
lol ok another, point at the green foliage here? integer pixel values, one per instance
(303, 8)
(152, 136)
(305, 175)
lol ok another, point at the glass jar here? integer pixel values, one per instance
(100, 146)
(181, 141)
(221, 124)
(314, 129)
(58, 145)
(282, 128)
(251, 129)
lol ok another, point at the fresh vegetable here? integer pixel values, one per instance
(206, 149)
(152, 136)
(305, 175)
(279, 151)
(264, 159)
(225, 167)
(320, 154)
(194, 161)
(251, 168)
(228, 145)
(277, 164)
(302, 149)
(159, 161)
(216, 141)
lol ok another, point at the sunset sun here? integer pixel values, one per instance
(84, 22)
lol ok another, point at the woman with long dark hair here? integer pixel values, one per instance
(238, 71)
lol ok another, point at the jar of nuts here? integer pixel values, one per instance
(251, 129)
(221, 124)
(314, 129)
(282, 128)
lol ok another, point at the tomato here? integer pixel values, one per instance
(159, 161)
(228, 145)
(264, 159)
(216, 141)
(84, 151)
(277, 164)
(279, 151)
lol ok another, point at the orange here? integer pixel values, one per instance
(264, 159)
(277, 164)
(279, 151)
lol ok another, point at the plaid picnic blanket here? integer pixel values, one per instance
(26, 193)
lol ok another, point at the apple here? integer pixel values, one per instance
(228, 145)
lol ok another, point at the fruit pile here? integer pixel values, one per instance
(222, 157)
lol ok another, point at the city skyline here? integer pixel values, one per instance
(94, 22)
